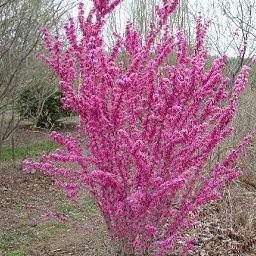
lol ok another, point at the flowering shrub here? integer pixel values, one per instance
(150, 128)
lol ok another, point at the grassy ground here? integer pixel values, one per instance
(26, 200)
(227, 227)
(29, 227)
(26, 150)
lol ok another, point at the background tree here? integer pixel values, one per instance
(20, 26)
(232, 31)
(142, 13)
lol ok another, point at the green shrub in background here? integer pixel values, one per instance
(43, 110)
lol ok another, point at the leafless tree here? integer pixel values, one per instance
(20, 26)
(141, 13)
(232, 31)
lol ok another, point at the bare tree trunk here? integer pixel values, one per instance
(20, 26)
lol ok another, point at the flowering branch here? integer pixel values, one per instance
(150, 128)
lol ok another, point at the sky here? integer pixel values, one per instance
(221, 34)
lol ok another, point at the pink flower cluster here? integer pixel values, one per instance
(147, 127)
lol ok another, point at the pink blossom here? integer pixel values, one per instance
(147, 127)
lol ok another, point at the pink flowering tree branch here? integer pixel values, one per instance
(150, 128)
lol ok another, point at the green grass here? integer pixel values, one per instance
(16, 253)
(86, 203)
(51, 230)
(16, 243)
(16, 207)
(89, 206)
(26, 150)
(6, 240)
(9, 240)
(73, 210)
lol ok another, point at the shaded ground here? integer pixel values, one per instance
(26, 229)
